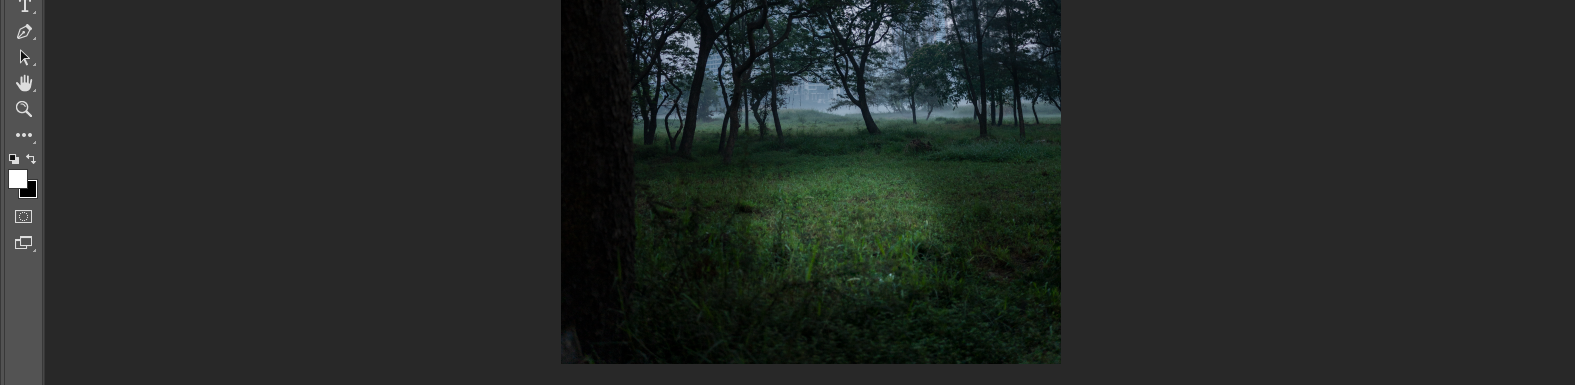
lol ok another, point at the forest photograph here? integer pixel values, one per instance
(811, 181)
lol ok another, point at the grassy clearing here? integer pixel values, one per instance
(837, 246)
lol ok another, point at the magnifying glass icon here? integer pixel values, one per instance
(21, 107)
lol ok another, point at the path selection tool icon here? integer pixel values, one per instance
(24, 216)
(22, 57)
(26, 29)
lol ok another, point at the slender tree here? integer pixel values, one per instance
(708, 28)
(962, 58)
(852, 31)
(746, 63)
(979, 35)
(650, 25)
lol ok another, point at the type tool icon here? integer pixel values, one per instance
(26, 29)
(21, 108)
(23, 242)
(24, 4)
(26, 83)
(24, 216)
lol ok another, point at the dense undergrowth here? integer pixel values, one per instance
(919, 245)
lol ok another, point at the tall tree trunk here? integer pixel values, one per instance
(656, 108)
(869, 120)
(864, 103)
(989, 109)
(775, 121)
(771, 59)
(744, 107)
(1017, 98)
(962, 54)
(913, 87)
(680, 121)
(726, 117)
(913, 106)
(760, 116)
(666, 124)
(1017, 106)
(732, 112)
(1000, 112)
(707, 39)
(1034, 105)
(598, 177)
(648, 125)
(979, 35)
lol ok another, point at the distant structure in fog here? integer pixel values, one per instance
(808, 95)
(805, 95)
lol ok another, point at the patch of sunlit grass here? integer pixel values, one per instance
(836, 246)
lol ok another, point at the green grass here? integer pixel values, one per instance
(836, 246)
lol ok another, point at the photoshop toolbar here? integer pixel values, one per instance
(21, 316)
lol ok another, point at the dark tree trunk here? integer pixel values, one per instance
(666, 124)
(979, 35)
(1017, 107)
(732, 113)
(598, 176)
(1017, 98)
(760, 116)
(864, 106)
(775, 121)
(962, 54)
(1000, 112)
(653, 106)
(648, 123)
(1033, 105)
(771, 59)
(744, 63)
(726, 117)
(744, 107)
(707, 39)
(913, 87)
(989, 110)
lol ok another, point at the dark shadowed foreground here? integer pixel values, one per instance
(598, 224)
